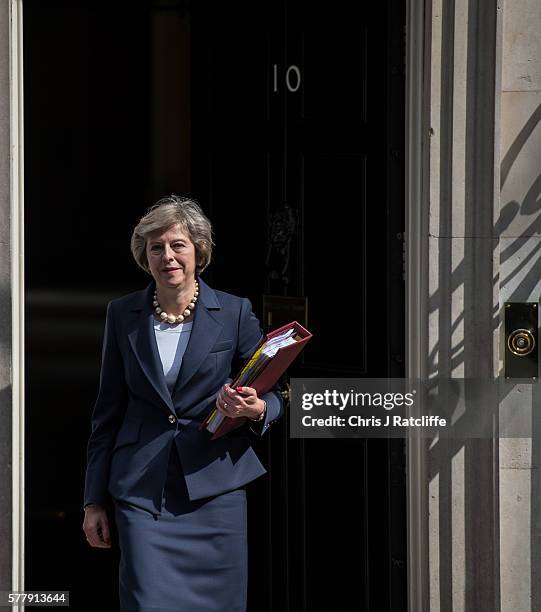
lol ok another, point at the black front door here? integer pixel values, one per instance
(298, 151)
(290, 134)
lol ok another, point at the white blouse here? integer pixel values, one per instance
(172, 342)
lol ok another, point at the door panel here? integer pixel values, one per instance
(308, 140)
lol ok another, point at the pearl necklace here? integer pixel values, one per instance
(170, 318)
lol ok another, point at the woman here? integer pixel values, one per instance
(179, 498)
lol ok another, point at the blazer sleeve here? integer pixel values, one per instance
(107, 415)
(249, 335)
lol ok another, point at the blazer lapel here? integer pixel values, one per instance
(145, 348)
(205, 330)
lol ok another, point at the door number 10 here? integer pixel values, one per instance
(292, 77)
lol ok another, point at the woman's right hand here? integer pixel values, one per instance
(96, 526)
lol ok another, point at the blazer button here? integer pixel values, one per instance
(172, 418)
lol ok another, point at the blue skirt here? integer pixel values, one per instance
(193, 557)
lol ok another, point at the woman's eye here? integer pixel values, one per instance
(157, 248)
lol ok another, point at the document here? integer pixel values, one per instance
(270, 359)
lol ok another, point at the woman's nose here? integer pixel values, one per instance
(167, 253)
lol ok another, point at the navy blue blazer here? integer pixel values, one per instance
(136, 420)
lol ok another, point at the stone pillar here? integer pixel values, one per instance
(520, 281)
(453, 299)
(462, 295)
(474, 233)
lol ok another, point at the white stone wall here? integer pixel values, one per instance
(520, 280)
(483, 200)
(463, 293)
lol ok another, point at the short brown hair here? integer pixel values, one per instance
(169, 211)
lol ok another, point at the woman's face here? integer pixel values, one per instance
(171, 258)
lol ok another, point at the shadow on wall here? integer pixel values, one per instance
(479, 257)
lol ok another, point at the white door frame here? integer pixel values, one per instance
(16, 197)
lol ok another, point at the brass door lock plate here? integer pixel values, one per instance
(521, 340)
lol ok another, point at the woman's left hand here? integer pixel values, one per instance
(239, 402)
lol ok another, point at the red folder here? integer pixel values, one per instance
(272, 371)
